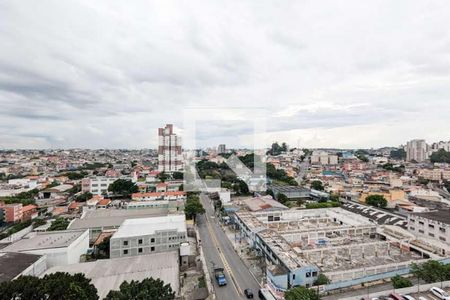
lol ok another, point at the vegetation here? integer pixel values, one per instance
(15, 228)
(322, 279)
(317, 185)
(177, 175)
(25, 198)
(83, 197)
(56, 286)
(123, 187)
(362, 155)
(193, 206)
(391, 167)
(322, 205)
(301, 293)
(440, 156)
(59, 224)
(149, 288)
(162, 176)
(399, 282)
(334, 197)
(282, 198)
(399, 154)
(431, 271)
(75, 175)
(276, 149)
(377, 201)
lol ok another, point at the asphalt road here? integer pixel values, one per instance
(219, 252)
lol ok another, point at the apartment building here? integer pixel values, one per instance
(148, 235)
(13, 212)
(416, 150)
(171, 196)
(221, 149)
(433, 225)
(324, 158)
(97, 185)
(169, 150)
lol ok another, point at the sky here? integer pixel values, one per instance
(336, 74)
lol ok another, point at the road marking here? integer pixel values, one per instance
(222, 258)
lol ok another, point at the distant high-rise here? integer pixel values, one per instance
(169, 150)
(221, 149)
(416, 150)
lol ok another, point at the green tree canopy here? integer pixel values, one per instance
(440, 156)
(177, 175)
(59, 224)
(301, 293)
(376, 200)
(282, 198)
(322, 279)
(431, 271)
(317, 185)
(83, 197)
(193, 207)
(123, 187)
(55, 286)
(149, 288)
(399, 282)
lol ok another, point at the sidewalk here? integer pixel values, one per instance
(248, 257)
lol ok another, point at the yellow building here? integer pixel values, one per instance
(391, 196)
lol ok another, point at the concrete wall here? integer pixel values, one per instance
(17, 236)
(36, 269)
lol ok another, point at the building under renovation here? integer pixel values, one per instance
(348, 248)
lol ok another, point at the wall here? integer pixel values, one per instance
(17, 236)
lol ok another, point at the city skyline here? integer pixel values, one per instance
(105, 75)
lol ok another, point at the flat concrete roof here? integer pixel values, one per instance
(45, 240)
(112, 217)
(442, 216)
(13, 263)
(108, 274)
(148, 226)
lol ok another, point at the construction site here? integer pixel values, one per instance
(344, 246)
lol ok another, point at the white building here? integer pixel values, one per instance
(433, 225)
(108, 274)
(416, 150)
(169, 150)
(148, 235)
(60, 247)
(324, 158)
(97, 185)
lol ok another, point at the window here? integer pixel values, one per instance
(308, 274)
(431, 225)
(412, 228)
(431, 234)
(125, 252)
(152, 240)
(270, 218)
(421, 231)
(139, 250)
(125, 243)
(152, 249)
(420, 223)
(140, 241)
(315, 274)
(442, 229)
(442, 238)
(293, 277)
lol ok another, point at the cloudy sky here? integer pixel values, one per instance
(107, 74)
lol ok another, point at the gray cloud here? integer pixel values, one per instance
(108, 73)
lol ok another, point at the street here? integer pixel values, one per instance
(219, 252)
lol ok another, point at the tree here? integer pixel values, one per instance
(162, 176)
(83, 197)
(334, 197)
(61, 285)
(440, 156)
(317, 185)
(123, 187)
(177, 175)
(376, 200)
(193, 207)
(59, 224)
(431, 271)
(301, 293)
(55, 286)
(399, 282)
(398, 154)
(148, 288)
(282, 198)
(322, 279)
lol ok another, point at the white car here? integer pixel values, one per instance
(408, 297)
(422, 298)
(441, 294)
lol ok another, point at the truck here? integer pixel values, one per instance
(220, 276)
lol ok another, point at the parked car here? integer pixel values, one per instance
(408, 297)
(422, 298)
(441, 294)
(248, 293)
